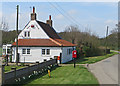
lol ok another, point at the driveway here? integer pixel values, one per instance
(106, 71)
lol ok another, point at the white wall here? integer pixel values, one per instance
(36, 54)
(35, 33)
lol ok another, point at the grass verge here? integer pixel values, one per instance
(91, 60)
(67, 75)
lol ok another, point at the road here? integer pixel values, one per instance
(106, 71)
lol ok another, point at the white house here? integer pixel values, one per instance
(6, 49)
(39, 41)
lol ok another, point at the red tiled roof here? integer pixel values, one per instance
(43, 42)
(64, 42)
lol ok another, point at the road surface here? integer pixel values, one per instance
(106, 71)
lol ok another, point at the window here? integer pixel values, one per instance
(43, 51)
(48, 51)
(69, 51)
(8, 51)
(23, 51)
(28, 34)
(25, 34)
(28, 51)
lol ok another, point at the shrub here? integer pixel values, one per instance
(93, 51)
(22, 64)
(79, 52)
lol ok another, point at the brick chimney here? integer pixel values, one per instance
(49, 21)
(33, 15)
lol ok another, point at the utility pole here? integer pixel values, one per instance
(106, 39)
(17, 36)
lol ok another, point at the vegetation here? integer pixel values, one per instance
(0, 51)
(86, 41)
(8, 68)
(91, 60)
(67, 75)
(8, 36)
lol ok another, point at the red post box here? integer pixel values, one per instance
(74, 54)
(58, 58)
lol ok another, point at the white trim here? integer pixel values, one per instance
(26, 52)
(46, 52)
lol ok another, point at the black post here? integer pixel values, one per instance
(17, 36)
(74, 62)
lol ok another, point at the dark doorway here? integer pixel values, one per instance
(60, 58)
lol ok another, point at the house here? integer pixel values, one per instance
(38, 41)
(6, 49)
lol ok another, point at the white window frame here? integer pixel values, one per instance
(27, 34)
(26, 51)
(23, 51)
(29, 51)
(45, 52)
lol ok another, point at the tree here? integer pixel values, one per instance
(72, 32)
(4, 26)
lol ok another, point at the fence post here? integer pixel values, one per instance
(1, 72)
(14, 68)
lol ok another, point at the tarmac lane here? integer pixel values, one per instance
(106, 71)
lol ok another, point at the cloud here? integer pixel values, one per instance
(59, 17)
(110, 21)
(72, 11)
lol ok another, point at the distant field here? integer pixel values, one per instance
(67, 75)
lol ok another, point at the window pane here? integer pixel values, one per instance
(25, 34)
(48, 51)
(28, 34)
(28, 51)
(43, 51)
(23, 51)
(8, 51)
(67, 51)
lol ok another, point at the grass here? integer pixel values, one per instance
(67, 75)
(8, 68)
(0, 51)
(91, 60)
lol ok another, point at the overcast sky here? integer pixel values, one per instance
(94, 16)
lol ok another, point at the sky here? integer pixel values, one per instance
(88, 16)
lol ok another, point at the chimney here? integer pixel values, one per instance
(33, 15)
(49, 21)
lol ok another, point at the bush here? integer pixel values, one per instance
(22, 64)
(93, 51)
(79, 52)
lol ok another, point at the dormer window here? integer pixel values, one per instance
(27, 33)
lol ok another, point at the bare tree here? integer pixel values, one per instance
(4, 26)
(72, 32)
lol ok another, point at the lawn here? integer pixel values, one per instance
(8, 68)
(91, 60)
(67, 75)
